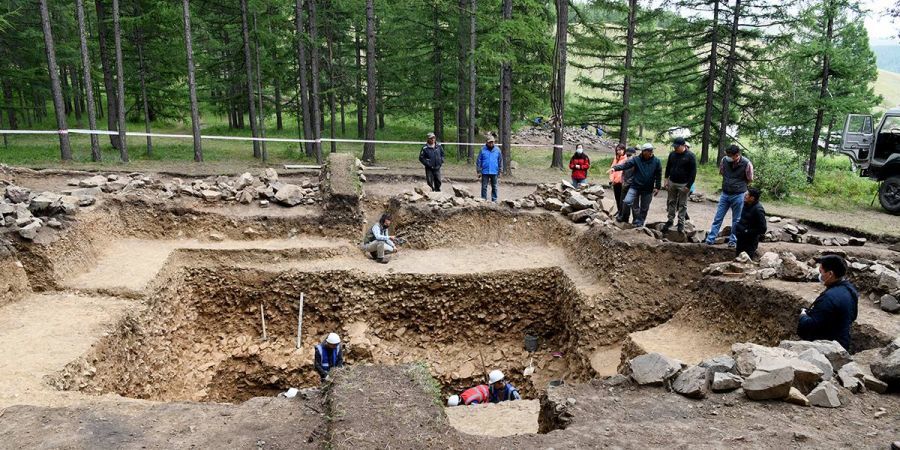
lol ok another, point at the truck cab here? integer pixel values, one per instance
(875, 148)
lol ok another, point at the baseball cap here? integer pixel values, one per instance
(429, 135)
(630, 150)
(647, 146)
(679, 141)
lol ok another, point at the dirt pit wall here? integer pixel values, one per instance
(200, 338)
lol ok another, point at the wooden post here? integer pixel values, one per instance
(299, 321)
(262, 315)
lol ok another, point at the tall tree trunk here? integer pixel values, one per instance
(35, 104)
(76, 89)
(343, 117)
(710, 84)
(106, 64)
(360, 127)
(5, 140)
(264, 154)
(506, 100)
(120, 81)
(329, 37)
(558, 88)
(462, 36)
(823, 92)
(10, 105)
(473, 83)
(248, 66)
(67, 99)
(279, 121)
(729, 81)
(438, 93)
(65, 149)
(314, 69)
(304, 85)
(626, 82)
(88, 83)
(369, 147)
(192, 82)
(142, 75)
(828, 136)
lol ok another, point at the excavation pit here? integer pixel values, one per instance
(200, 338)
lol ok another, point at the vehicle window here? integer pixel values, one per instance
(860, 124)
(891, 123)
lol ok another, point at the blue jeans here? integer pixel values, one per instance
(485, 178)
(639, 203)
(577, 183)
(734, 202)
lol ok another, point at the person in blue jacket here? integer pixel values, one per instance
(835, 310)
(489, 165)
(500, 390)
(329, 354)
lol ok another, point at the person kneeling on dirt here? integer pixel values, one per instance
(472, 396)
(834, 311)
(329, 355)
(500, 390)
(378, 242)
(752, 225)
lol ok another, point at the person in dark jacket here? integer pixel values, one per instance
(835, 310)
(752, 225)
(681, 171)
(579, 165)
(432, 157)
(646, 182)
(737, 174)
(489, 165)
(329, 354)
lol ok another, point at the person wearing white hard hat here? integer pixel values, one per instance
(500, 390)
(329, 354)
(472, 396)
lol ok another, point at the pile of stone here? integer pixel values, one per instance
(571, 136)
(455, 196)
(795, 232)
(818, 373)
(360, 169)
(880, 278)
(584, 204)
(244, 188)
(26, 213)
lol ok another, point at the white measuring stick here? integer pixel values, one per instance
(262, 315)
(300, 321)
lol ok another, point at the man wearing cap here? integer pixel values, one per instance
(681, 171)
(489, 165)
(432, 157)
(500, 390)
(737, 174)
(329, 355)
(644, 185)
(834, 311)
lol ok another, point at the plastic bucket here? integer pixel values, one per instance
(531, 343)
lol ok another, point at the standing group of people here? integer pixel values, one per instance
(489, 165)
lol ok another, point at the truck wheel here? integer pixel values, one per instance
(889, 194)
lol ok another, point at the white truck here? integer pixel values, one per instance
(876, 150)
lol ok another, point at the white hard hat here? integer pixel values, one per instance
(647, 146)
(453, 400)
(495, 376)
(333, 339)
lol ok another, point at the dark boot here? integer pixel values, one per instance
(667, 227)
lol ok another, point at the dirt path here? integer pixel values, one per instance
(41, 334)
(499, 419)
(120, 267)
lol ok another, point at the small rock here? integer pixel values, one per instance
(815, 357)
(210, 195)
(653, 368)
(54, 223)
(31, 230)
(270, 175)
(216, 237)
(95, 181)
(851, 376)
(890, 304)
(796, 397)
(874, 384)
(726, 382)
(17, 194)
(723, 363)
(857, 241)
(769, 260)
(835, 353)
(769, 385)
(263, 203)
(825, 395)
(578, 202)
(692, 382)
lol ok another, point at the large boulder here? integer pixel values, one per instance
(747, 355)
(692, 382)
(769, 260)
(806, 374)
(553, 204)
(46, 202)
(461, 191)
(270, 175)
(825, 395)
(653, 369)
(887, 367)
(244, 180)
(30, 231)
(17, 194)
(889, 303)
(851, 377)
(792, 269)
(815, 357)
(289, 194)
(835, 353)
(722, 363)
(774, 385)
(579, 202)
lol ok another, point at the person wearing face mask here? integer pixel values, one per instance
(579, 165)
(489, 165)
(835, 310)
(645, 183)
(615, 178)
(737, 174)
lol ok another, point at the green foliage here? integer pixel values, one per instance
(778, 174)
(420, 374)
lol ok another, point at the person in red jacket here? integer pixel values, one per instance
(579, 164)
(477, 395)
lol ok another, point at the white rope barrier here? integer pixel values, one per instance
(267, 139)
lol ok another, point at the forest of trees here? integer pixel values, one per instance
(746, 70)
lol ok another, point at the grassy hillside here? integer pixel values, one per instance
(888, 86)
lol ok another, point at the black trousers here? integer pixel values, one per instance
(746, 243)
(433, 178)
(624, 211)
(617, 192)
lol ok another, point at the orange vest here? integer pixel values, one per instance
(477, 395)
